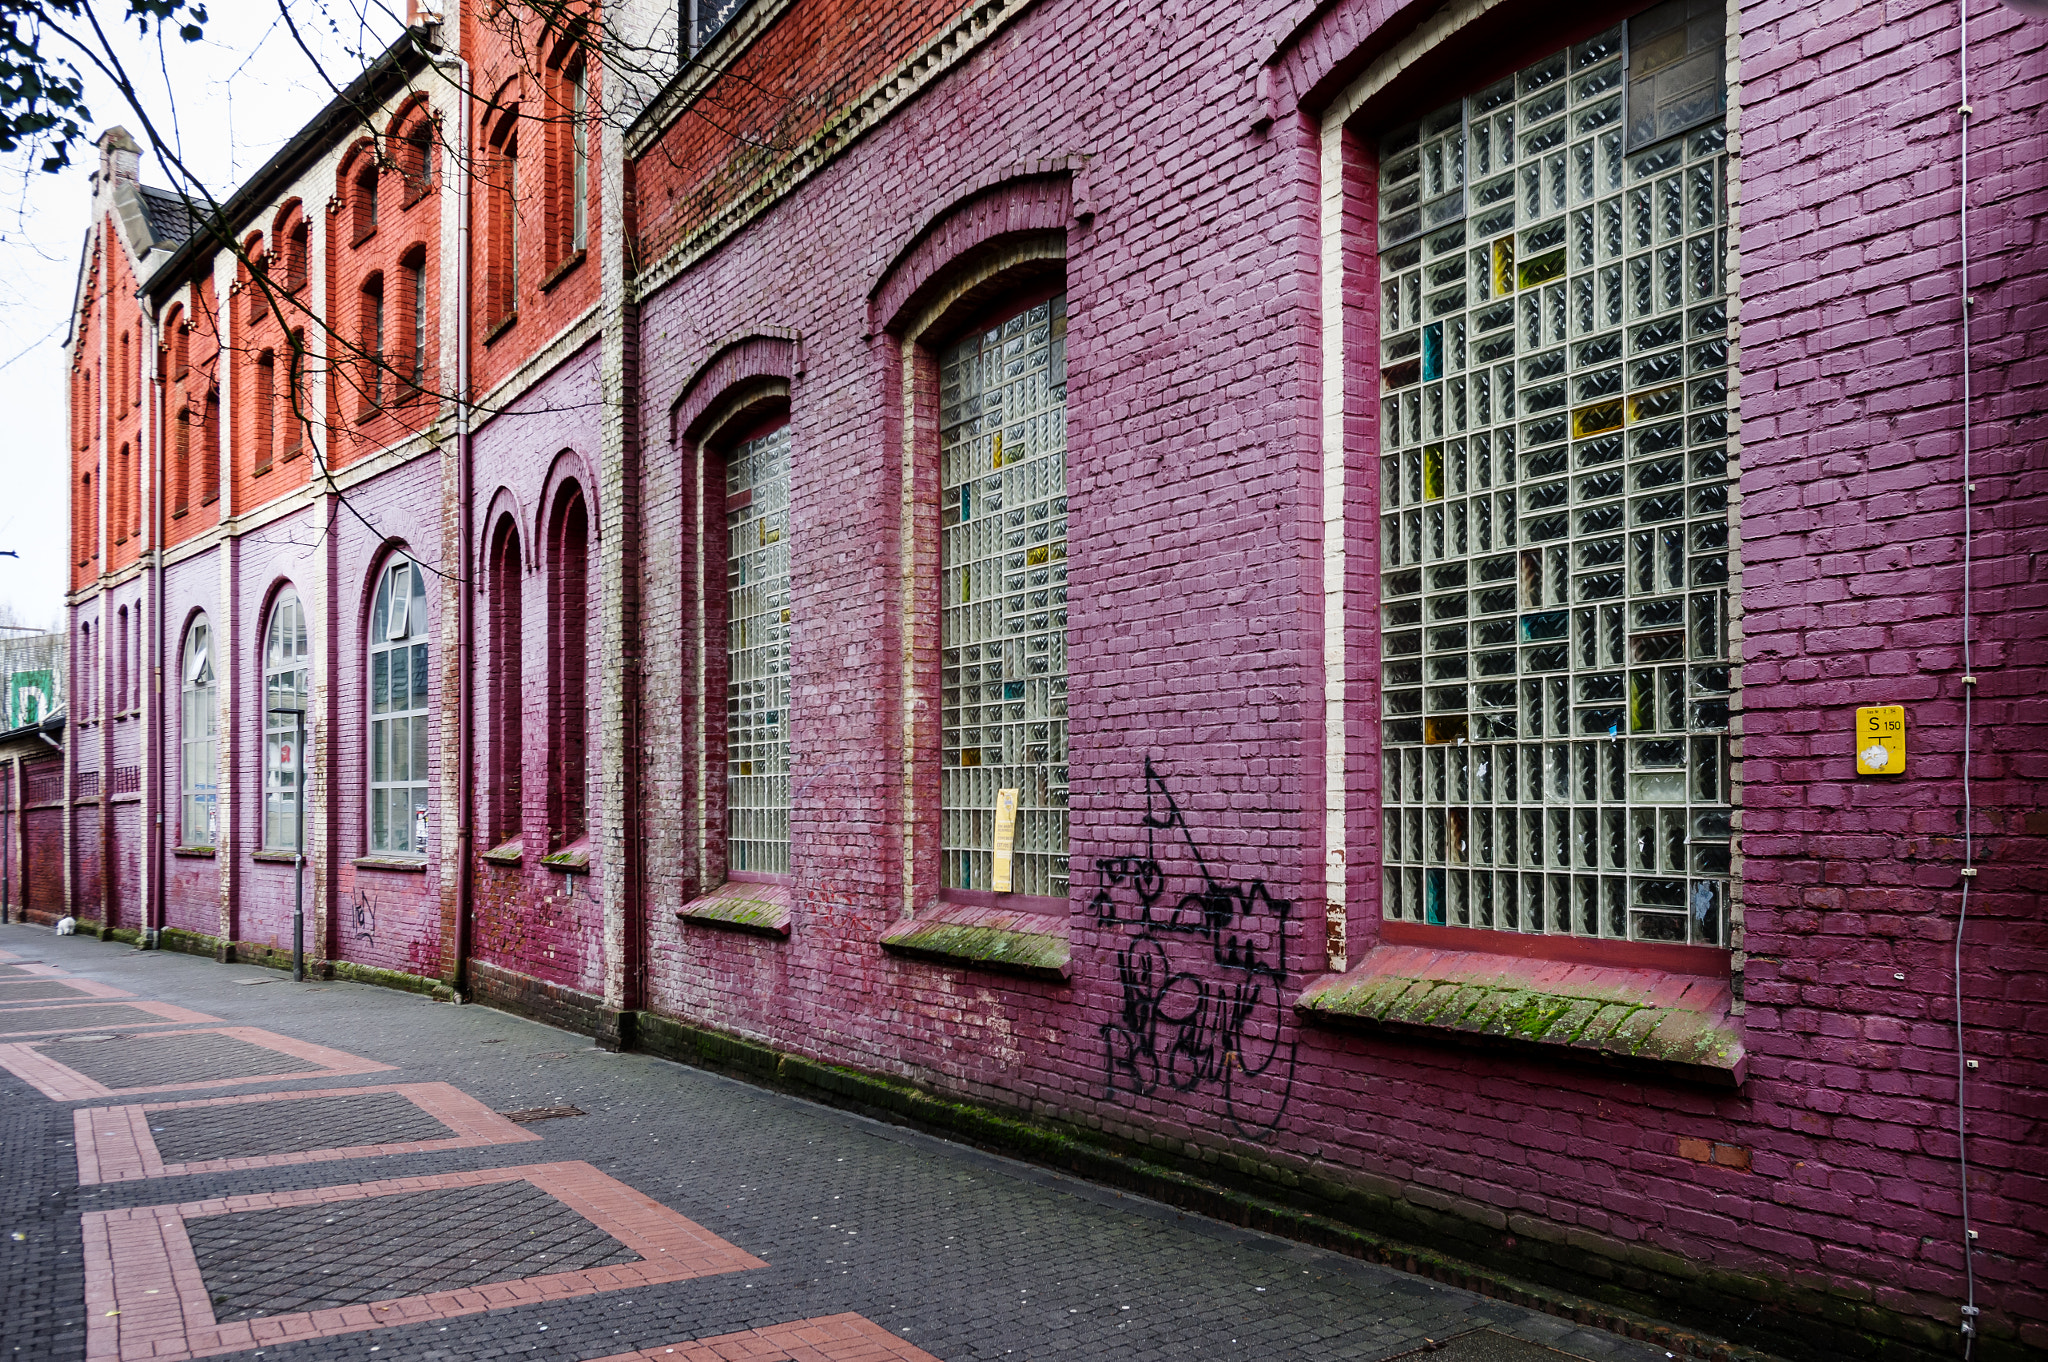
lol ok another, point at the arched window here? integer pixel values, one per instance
(124, 485)
(293, 410)
(285, 688)
(507, 690)
(181, 460)
(398, 712)
(568, 650)
(371, 340)
(409, 358)
(1003, 598)
(295, 237)
(83, 700)
(198, 808)
(121, 655)
(209, 449)
(757, 653)
(263, 411)
(364, 196)
(1554, 466)
(253, 276)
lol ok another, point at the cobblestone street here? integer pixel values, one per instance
(209, 1160)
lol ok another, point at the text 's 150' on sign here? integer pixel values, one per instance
(1881, 740)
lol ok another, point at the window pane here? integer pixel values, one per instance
(398, 702)
(1554, 606)
(757, 654)
(1003, 596)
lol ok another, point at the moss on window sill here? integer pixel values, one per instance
(1006, 941)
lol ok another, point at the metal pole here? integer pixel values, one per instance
(298, 841)
(299, 852)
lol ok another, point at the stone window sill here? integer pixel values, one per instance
(562, 271)
(500, 327)
(508, 852)
(760, 909)
(416, 867)
(1646, 1018)
(274, 857)
(573, 859)
(193, 853)
(1005, 940)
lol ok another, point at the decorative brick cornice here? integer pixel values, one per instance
(970, 29)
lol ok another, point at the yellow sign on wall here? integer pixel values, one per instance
(1881, 740)
(1006, 840)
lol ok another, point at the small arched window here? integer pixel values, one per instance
(180, 335)
(253, 276)
(364, 196)
(398, 713)
(209, 448)
(295, 252)
(83, 700)
(757, 653)
(568, 649)
(198, 772)
(371, 341)
(1003, 597)
(507, 691)
(121, 657)
(263, 411)
(286, 674)
(410, 360)
(418, 147)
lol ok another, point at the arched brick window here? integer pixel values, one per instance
(293, 412)
(254, 272)
(500, 194)
(209, 448)
(293, 233)
(398, 662)
(83, 700)
(409, 357)
(370, 340)
(286, 678)
(198, 743)
(117, 510)
(121, 659)
(568, 665)
(363, 206)
(262, 411)
(417, 147)
(507, 696)
(1554, 469)
(757, 630)
(1003, 596)
(181, 460)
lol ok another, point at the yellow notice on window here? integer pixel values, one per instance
(1881, 740)
(1006, 840)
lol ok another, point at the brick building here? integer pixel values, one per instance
(1278, 592)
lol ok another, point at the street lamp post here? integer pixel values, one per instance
(298, 841)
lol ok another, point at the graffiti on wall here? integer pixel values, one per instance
(1201, 974)
(364, 910)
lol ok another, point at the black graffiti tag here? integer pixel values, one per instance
(1218, 1028)
(365, 913)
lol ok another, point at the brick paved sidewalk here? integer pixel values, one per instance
(682, 1211)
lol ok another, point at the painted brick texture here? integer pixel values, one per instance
(1171, 155)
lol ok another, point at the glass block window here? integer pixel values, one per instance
(1555, 470)
(757, 654)
(198, 742)
(398, 713)
(285, 686)
(1003, 598)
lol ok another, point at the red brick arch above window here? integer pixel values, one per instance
(568, 468)
(1013, 219)
(740, 370)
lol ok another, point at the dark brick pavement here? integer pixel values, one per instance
(966, 1254)
(248, 1130)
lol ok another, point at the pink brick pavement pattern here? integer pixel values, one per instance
(145, 1298)
(47, 1019)
(829, 1338)
(114, 1143)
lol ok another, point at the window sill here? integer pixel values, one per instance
(193, 853)
(505, 853)
(500, 327)
(1004, 940)
(417, 867)
(275, 857)
(563, 271)
(574, 858)
(759, 909)
(1641, 1017)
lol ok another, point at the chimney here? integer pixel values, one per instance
(120, 158)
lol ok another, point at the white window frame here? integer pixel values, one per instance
(399, 759)
(287, 677)
(757, 631)
(198, 740)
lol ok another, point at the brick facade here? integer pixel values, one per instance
(797, 223)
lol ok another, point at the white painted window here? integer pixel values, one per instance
(1003, 598)
(579, 158)
(1555, 491)
(398, 713)
(285, 687)
(198, 742)
(757, 654)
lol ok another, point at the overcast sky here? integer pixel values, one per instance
(233, 99)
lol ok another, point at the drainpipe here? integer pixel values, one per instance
(153, 755)
(465, 726)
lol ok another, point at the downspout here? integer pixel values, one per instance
(465, 726)
(153, 759)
